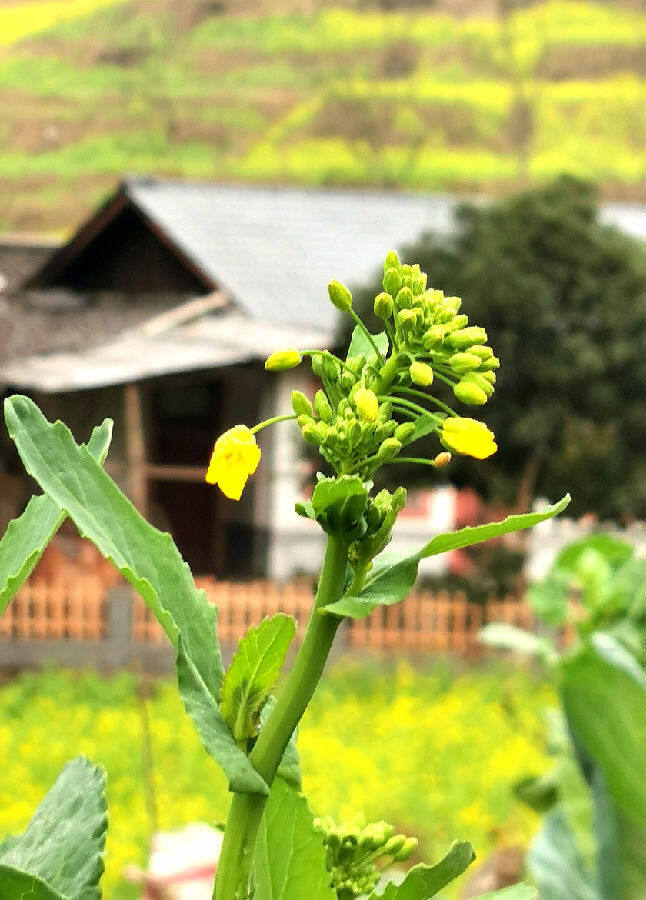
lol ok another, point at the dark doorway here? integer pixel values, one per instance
(185, 417)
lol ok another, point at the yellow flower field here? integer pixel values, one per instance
(434, 753)
(21, 20)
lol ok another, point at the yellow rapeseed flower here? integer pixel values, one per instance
(469, 437)
(235, 457)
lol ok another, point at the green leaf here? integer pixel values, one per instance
(253, 673)
(549, 598)
(214, 733)
(360, 344)
(556, 863)
(290, 767)
(425, 425)
(339, 504)
(289, 857)
(17, 885)
(146, 557)
(64, 843)
(604, 697)
(620, 854)
(26, 537)
(394, 575)
(509, 637)
(423, 882)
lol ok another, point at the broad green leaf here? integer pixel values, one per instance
(290, 768)
(614, 551)
(423, 882)
(621, 859)
(549, 598)
(360, 344)
(253, 673)
(214, 733)
(604, 697)
(26, 537)
(289, 857)
(556, 864)
(509, 637)
(146, 557)
(64, 843)
(394, 575)
(17, 885)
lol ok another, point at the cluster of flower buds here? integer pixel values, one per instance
(355, 851)
(432, 335)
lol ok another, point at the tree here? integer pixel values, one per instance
(563, 298)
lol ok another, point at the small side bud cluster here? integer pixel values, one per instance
(357, 853)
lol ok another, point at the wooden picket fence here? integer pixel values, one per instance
(77, 609)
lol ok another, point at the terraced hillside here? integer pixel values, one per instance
(316, 94)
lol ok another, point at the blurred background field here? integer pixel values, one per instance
(434, 751)
(476, 97)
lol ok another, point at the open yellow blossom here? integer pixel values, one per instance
(235, 457)
(469, 437)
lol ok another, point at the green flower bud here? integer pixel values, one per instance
(344, 404)
(392, 281)
(466, 337)
(340, 295)
(356, 363)
(408, 847)
(434, 336)
(283, 359)
(305, 419)
(407, 317)
(489, 364)
(391, 261)
(482, 382)
(482, 352)
(317, 365)
(406, 273)
(404, 298)
(394, 845)
(470, 393)
(313, 433)
(404, 432)
(399, 498)
(490, 376)
(322, 406)
(464, 362)
(300, 404)
(331, 368)
(383, 306)
(421, 374)
(389, 449)
(452, 305)
(457, 322)
(419, 279)
(347, 380)
(366, 404)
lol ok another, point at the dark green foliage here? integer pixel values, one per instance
(563, 299)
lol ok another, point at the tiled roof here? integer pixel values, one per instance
(274, 249)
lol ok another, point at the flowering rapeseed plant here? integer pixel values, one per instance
(371, 405)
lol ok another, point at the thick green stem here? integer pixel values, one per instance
(232, 881)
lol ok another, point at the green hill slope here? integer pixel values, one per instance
(337, 96)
